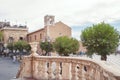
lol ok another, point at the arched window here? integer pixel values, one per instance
(21, 38)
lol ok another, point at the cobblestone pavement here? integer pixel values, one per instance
(8, 69)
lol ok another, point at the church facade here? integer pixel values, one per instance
(50, 31)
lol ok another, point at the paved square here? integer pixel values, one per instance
(8, 69)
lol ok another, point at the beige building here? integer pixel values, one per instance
(13, 33)
(82, 48)
(50, 31)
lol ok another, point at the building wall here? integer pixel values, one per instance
(16, 33)
(36, 36)
(82, 48)
(56, 30)
(59, 29)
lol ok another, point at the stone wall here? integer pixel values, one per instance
(71, 68)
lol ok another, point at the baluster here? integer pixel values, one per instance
(43, 75)
(73, 71)
(88, 73)
(95, 74)
(105, 75)
(101, 75)
(98, 74)
(40, 69)
(85, 72)
(57, 71)
(79, 73)
(50, 71)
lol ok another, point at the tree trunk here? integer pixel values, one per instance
(46, 53)
(104, 57)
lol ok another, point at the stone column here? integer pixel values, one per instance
(34, 48)
(79, 73)
(41, 70)
(65, 71)
(57, 77)
(50, 71)
(94, 74)
(101, 75)
(88, 72)
(33, 55)
(73, 71)
(35, 67)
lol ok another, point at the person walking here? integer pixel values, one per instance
(14, 58)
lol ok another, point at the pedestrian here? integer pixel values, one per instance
(14, 58)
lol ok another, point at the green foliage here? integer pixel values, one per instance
(46, 46)
(19, 45)
(101, 38)
(65, 46)
(1, 42)
(1, 36)
(27, 47)
(10, 46)
(22, 45)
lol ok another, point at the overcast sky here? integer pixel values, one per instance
(77, 14)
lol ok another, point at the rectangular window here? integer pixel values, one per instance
(40, 36)
(35, 37)
(30, 39)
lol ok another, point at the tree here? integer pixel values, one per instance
(1, 42)
(101, 39)
(19, 45)
(65, 45)
(10, 46)
(1, 36)
(27, 47)
(22, 45)
(46, 46)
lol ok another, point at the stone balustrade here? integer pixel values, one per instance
(65, 68)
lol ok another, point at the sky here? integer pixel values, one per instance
(78, 14)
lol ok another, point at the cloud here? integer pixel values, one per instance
(72, 12)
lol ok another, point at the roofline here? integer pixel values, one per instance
(35, 31)
(46, 26)
(63, 23)
(7, 28)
